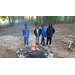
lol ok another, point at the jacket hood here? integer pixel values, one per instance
(50, 24)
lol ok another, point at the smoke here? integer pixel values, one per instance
(22, 20)
(18, 20)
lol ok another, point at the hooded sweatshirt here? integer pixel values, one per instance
(43, 32)
(50, 31)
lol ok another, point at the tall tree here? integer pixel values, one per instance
(9, 20)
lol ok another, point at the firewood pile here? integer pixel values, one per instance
(72, 45)
(34, 52)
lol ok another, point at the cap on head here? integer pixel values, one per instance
(25, 24)
(42, 25)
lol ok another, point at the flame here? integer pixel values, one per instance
(34, 47)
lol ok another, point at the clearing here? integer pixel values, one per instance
(11, 40)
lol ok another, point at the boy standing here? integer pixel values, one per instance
(37, 33)
(50, 32)
(25, 33)
(43, 31)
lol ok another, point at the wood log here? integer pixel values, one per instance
(70, 45)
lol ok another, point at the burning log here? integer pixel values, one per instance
(35, 49)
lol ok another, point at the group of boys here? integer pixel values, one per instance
(37, 32)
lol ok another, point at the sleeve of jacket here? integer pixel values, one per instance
(53, 30)
(28, 32)
(34, 31)
(40, 32)
(23, 32)
(45, 32)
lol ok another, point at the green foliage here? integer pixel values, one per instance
(3, 17)
(55, 19)
(47, 19)
(36, 22)
(20, 20)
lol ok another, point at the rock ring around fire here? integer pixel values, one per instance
(27, 52)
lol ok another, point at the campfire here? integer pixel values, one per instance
(33, 51)
(35, 48)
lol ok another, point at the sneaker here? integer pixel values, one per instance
(40, 44)
(49, 45)
(25, 45)
(28, 44)
(43, 44)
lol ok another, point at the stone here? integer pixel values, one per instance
(45, 54)
(74, 40)
(51, 55)
(21, 49)
(48, 50)
(25, 52)
(21, 56)
(18, 55)
(17, 51)
(74, 36)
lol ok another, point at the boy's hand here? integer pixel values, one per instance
(48, 36)
(24, 36)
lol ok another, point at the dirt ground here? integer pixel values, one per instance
(11, 40)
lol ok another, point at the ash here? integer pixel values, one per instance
(36, 55)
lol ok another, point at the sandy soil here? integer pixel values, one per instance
(11, 40)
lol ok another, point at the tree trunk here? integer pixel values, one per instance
(23, 20)
(36, 17)
(9, 20)
(31, 19)
(14, 21)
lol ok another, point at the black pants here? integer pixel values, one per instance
(49, 39)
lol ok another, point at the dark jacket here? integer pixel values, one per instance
(39, 32)
(50, 31)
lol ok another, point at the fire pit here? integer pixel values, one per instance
(32, 52)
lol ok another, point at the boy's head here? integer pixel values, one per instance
(42, 26)
(26, 25)
(37, 27)
(50, 24)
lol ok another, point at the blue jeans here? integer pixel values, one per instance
(42, 40)
(26, 40)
